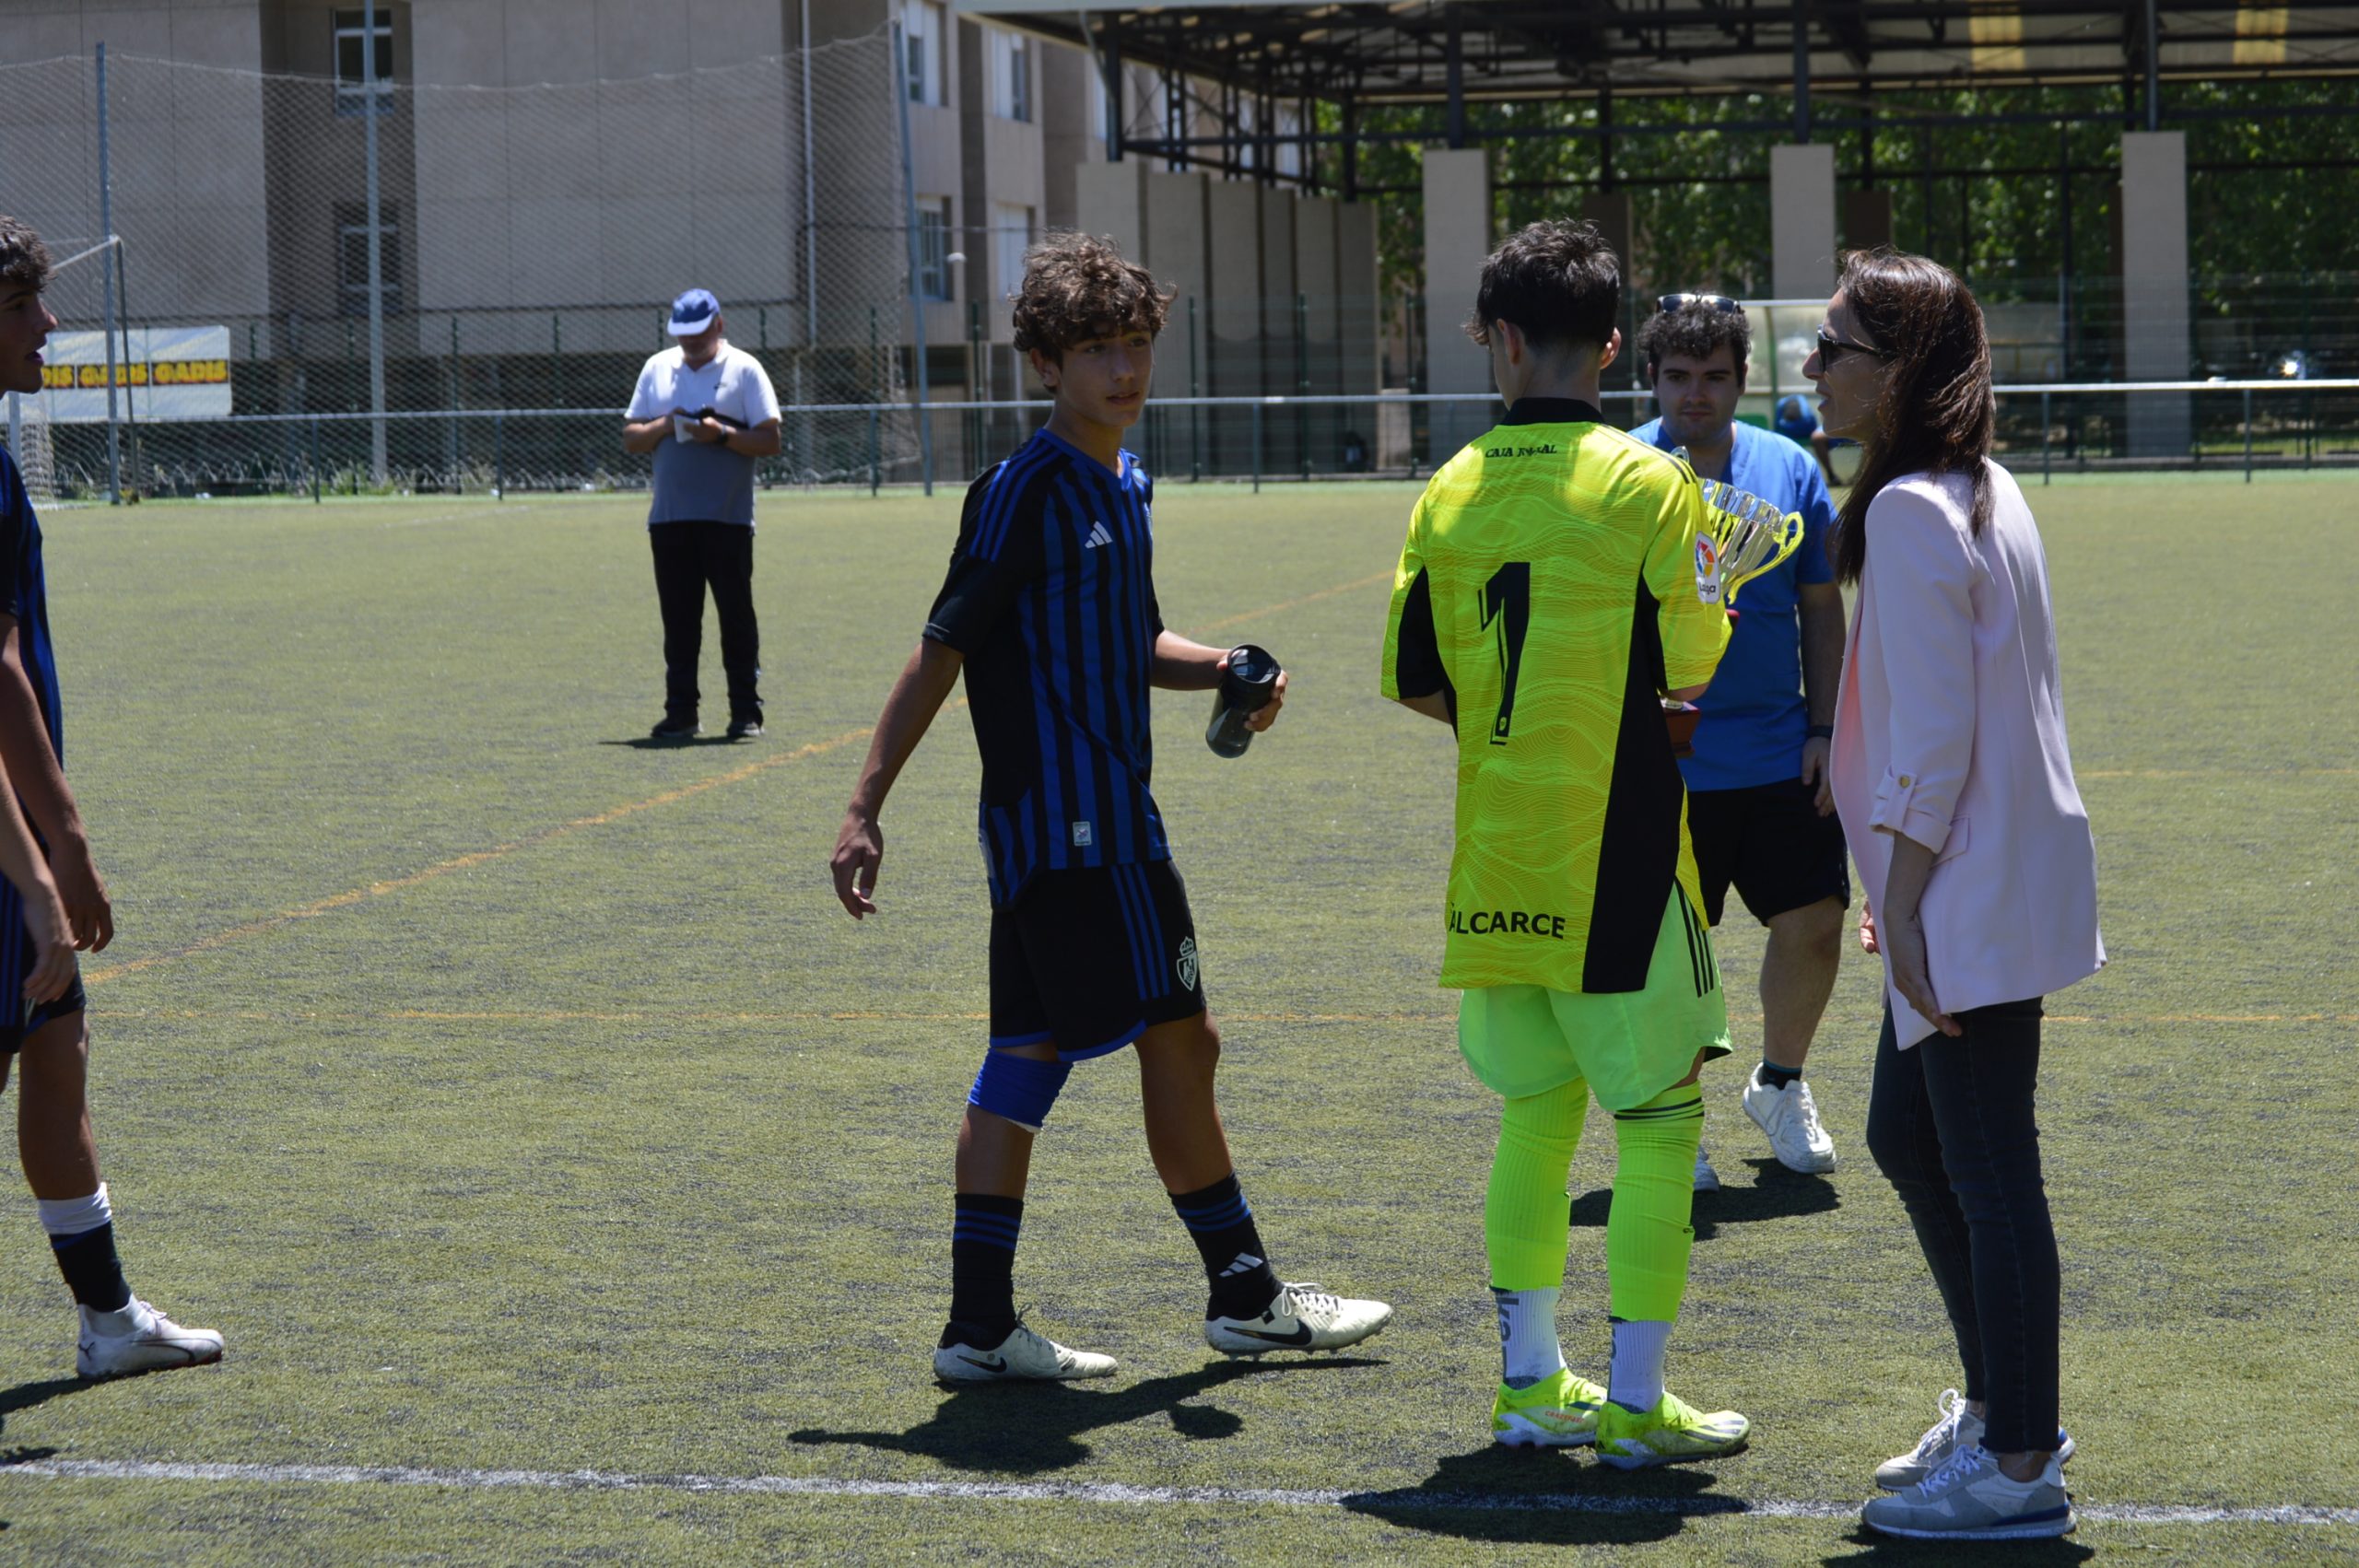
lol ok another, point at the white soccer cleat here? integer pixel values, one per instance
(1958, 1428)
(1789, 1117)
(1022, 1356)
(1299, 1317)
(1707, 1178)
(139, 1339)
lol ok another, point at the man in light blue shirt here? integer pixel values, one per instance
(1758, 805)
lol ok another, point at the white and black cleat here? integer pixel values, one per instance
(1299, 1317)
(136, 1339)
(1023, 1357)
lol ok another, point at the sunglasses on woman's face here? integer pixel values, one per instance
(1831, 349)
(1720, 302)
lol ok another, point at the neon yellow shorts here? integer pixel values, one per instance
(1630, 1045)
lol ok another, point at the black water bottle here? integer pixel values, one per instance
(1246, 687)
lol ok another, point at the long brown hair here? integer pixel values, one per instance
(1936, 412)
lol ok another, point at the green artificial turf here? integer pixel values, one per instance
(515, 1096)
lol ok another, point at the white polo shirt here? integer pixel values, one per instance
(697, 481)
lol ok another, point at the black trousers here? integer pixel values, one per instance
(1950, 1124)
(688, 558)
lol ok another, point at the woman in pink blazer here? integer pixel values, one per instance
(1954, 785)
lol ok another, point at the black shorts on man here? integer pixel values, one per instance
(1769, 841)
(1089, 959)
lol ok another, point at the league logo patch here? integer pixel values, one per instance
(1083, 835)
(1707, 570)
(1187, 964)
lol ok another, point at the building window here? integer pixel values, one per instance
(1289, 151)
(1011, 75)
(352, 257)
(351, 64)
(933, 247)
(922, 37)
(1011, 237)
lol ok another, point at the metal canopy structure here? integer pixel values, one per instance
(1451, 52)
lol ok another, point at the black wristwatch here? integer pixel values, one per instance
(1819, 733)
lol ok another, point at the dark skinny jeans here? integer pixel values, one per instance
(1950, 1123)
(689, 556)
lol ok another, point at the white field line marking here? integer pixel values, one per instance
(1401, 1499)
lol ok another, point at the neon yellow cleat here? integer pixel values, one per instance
(1673, 1430)
(1559, 1412)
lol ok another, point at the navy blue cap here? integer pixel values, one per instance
(694, 311)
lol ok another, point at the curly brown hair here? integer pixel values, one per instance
(1077, 288)
(1557, 279)
(24, 260)
(1694, 331)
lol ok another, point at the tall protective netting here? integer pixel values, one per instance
(528, 243)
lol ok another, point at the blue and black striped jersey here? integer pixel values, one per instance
(25, 595)
(1051, 598)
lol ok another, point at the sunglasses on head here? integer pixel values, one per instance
(1831, 349)
(1720, 302)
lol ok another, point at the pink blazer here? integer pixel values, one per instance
(1950, 729)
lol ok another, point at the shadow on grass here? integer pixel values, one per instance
(650, 744)
(1547, 1496)
(1029, 1428)
(1871, 1548)
(24, 1396)
(1775, 1193)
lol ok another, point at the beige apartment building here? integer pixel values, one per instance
(552, 171)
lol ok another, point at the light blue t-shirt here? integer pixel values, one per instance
(1754, 718)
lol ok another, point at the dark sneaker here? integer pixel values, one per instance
(676, 730)
(745, 729)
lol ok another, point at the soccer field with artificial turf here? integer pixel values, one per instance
(571, 1178)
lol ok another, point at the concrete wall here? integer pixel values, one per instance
(188, 165)
(1802, 221)
(2154, 288)
(1458, 238)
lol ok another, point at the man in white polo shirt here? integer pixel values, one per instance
(708, 412)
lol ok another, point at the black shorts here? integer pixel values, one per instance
(21, 1018)
(1090, 959)
(1770, 841)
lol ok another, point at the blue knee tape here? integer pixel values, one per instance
(1018, 1088)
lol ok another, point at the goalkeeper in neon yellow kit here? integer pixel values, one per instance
(1547, 602)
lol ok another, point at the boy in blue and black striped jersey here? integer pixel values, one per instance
(42, 1032)
(1050, 610)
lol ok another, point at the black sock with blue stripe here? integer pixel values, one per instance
(982, 1269)
(1776, 1077)
(1222, 1223)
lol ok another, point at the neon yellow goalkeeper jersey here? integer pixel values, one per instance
(1548, 590)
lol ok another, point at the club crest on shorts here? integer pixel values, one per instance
(1187, 963)
(1707, 570)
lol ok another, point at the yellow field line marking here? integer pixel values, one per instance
(1384, 575)
(351, 896)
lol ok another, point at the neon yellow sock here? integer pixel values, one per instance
(1526, 1216)
(1647, 1234)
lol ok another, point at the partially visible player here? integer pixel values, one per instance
(1050, 610)
(121, 1334)
(1548, 600)
(1795, 421)
(1759, 809)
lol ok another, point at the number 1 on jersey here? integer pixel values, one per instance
(1507, 616)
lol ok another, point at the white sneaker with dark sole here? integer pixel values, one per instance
(1299, 1317)
(1958, 1428)
(1969, 1498)
(1790, 1119)
(139, 1339)
(1023, 1357)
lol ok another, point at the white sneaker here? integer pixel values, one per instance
(1790, 1118)
(1299, 1317)
(138, 1339)
(1707, 1178)
(1958, 1428)
(1022, 1355)
(1970, 1498)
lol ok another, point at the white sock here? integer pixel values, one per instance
(1636, 1382)
(1528, 1352)
(72, 1216)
